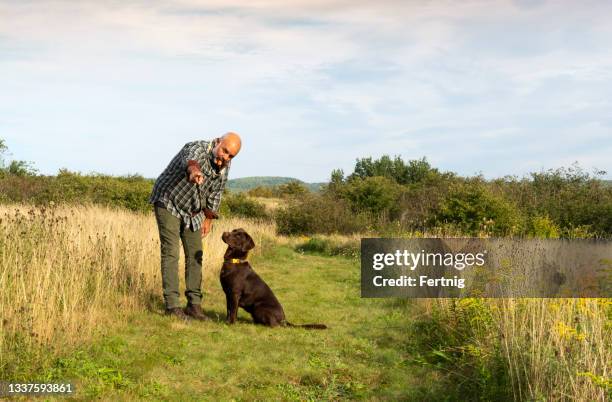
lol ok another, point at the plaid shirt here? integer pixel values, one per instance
(184, 199)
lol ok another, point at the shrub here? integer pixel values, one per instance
(597, 216)
(261, 191)
(292, 188)
(418, 203)
(543, 227)
(450, 338)
(570, 197)
(373, 194)
(474, 209)
(318, 214)
(131, 192)
(319, 245)
(243, 206)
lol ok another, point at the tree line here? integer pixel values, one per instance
(387, 196)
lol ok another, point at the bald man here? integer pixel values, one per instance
(186, 198)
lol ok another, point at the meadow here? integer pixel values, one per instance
(81, 301)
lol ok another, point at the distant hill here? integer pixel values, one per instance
(247, 183)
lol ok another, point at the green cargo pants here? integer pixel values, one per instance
(171, 229)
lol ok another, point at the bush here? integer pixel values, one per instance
(543, 227)
(318, 214)
(243, 206)
(328, 247)
(261, 191)
(474, 209)
(418, 203)
(570, 197)
(292, 188)
(450, 338)
(373, 194)
(131, 192)
(289, 189)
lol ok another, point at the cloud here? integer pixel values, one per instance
(311, 84)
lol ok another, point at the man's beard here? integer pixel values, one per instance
(219, 166)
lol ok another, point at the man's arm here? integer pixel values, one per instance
(213, 202)
(191, 153)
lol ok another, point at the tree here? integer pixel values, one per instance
(17, 168)
(418, 170)
(337, 176)
(336, 182)
(415, 171)
(21, 168)
(374, 194)
(292, 188)
(385, 167)
(474, 208)
(3, 150)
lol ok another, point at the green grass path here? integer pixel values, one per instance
(363, 355)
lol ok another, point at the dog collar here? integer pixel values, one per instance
(235, 260)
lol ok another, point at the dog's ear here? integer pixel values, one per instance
(248, 243)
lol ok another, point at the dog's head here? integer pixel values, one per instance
(238, 242)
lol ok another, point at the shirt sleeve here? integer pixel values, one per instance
(192, 151)
(213, 201)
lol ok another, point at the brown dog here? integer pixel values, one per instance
(244, 288)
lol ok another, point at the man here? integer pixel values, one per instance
(186, 198)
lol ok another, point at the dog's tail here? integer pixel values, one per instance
(307, 326)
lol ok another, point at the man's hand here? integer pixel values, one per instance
(194, 173)
(196, 176)
(206, 226)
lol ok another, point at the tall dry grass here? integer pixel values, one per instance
(557, 348)
(271, 204)
(552, 349)
(67, 271)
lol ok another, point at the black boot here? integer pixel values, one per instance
(178, 313)
(195, 311)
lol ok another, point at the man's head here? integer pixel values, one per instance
(227, 147)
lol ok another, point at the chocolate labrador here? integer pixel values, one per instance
(244, 288)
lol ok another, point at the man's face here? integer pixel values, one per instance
(224, 152)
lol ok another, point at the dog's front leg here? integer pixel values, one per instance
(232, 307)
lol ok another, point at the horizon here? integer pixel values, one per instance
(493, 88)
(603, 178)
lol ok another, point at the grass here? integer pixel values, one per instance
(271, 204)
(66, 272)
(522, 349)
(360, 357)
(81, 299)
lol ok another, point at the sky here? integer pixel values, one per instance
(477, 87)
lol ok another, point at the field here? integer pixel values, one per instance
(81, 301)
